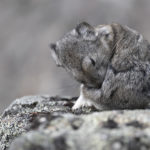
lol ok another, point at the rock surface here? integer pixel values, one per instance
(48, 123)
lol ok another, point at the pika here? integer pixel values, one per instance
(112, 63)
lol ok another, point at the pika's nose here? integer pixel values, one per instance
(53, 46)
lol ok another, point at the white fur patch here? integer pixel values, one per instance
(73, 32)
(140, 38)
(55, 57)
(82, 101)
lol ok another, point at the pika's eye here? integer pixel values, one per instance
(107, 35)
(88, 64)
(92, 61)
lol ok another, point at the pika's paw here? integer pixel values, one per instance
(82, 103)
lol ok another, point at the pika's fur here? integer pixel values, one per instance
(111, 61)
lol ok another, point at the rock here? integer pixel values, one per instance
(17, 118)
(48, 123)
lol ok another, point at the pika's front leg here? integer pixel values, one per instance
(98, 97)
(82, 101)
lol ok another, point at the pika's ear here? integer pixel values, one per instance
(86, 31)
(82, 27)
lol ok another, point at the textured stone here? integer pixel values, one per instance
(17, 118)
(27, 125)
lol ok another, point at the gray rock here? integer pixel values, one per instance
(48, 123)
(17, 118)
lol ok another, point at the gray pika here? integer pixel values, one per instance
(112, 63)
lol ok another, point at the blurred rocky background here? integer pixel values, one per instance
(28, 26)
